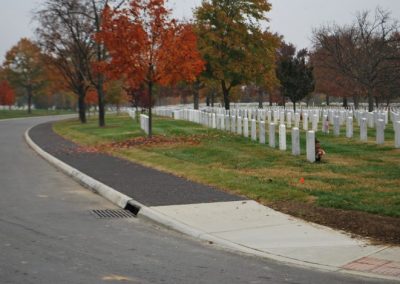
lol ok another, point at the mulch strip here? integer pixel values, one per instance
(154, 140)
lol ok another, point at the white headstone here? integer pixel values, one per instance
(214, 121)
(336, 125)
(342, 117)
(276, 116)
(282, 117)
(253, 130)
(289, 119)
(371, 120)
(380, 132)
(272, 135)
(233, 124)
(363, 130)
(315, 123)
(297, 120)
(246, 127)
(396, 125)
(227, 122)
(349, 127)
(239, 125)
(269, 116)
(305, 121)
(325, 124)
(295, 141)
(311, 146)
(282, 137)
(262, 132)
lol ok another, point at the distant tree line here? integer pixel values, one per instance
(119, 51)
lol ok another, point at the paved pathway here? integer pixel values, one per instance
(148, 186)
(244, 224)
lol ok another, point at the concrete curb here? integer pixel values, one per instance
(107, 192)
(124, 201)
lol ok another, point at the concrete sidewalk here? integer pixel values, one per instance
(269, 233)
(229, 221)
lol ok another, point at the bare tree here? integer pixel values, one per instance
(65, 36)
(364, 51)
(67, 33)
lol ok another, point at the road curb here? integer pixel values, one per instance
(107, 192)
(150, 214)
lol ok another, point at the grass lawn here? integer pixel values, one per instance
(352, 176)
(6, 114)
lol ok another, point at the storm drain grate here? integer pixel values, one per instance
(112, 213)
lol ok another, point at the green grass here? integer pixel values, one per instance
(352, 176)
(6, 114)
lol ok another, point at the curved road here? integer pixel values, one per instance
(48, 235)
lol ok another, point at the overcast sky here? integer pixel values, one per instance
(295, 19)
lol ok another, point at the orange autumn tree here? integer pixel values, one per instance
(7, 95)
(91, 98)
(147, 47)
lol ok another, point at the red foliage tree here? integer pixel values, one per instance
(7, 95)
(148, 48)
(91, 98)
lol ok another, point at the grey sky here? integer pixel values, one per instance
(292, 18)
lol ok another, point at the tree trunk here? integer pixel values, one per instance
(225, 92)
(327, 100)
(356, 101)
(294, 106)
(283, 101)
(101, 103)
(377, 101)
(82, 108)
(150, 86)
(136, 98)
(29, 91)
(101, 56)
(387, 101)
(208, 100)
(370, 102)
(196, 99)
(270, 99)
(212, 99)
(345, 103)
(260, 98)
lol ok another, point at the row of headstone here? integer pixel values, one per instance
(246, 127)
(238, 120)
(163, 111)
(14, 107)
(288, 117)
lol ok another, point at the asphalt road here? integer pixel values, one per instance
(48, 235)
